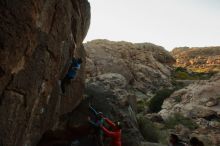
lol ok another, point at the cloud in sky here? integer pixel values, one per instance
(169, 23)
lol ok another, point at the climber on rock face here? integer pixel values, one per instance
(115, 134)
(71, 74)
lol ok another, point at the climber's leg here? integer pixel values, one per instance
(64, 82)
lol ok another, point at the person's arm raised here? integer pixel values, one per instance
(107, 132)
(110, 122)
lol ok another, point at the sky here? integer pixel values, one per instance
(168, 23)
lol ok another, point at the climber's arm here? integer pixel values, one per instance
(107, 132)
(110, 122)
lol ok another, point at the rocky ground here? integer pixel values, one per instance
(199, 101)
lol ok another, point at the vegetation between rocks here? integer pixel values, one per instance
(177, 119)
(156, 102)
(148, 130)
(183, 74)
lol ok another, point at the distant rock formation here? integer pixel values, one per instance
(206, 59)
(37, 41)
(145, 66)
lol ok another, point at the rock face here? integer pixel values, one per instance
(198, 59)
(198, 100)
(37, 41)
(145, 66)
(112, 98)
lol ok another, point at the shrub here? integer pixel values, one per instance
(181, 69)
(177, 85)
(141, 105)
(177, 118)
(183, 76)
(194, 74)
(163, 136)
(178, 99)
(148, 130)
(156, 102)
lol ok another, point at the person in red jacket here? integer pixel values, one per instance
(115, 134)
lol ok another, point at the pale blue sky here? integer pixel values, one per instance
(169, 23)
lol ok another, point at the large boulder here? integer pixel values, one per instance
(109, 95)
(145, 66)
(198, 100)
(37, 41)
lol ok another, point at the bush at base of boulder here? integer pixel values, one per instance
(156, 102)
(148, 130)
(177, 119)
(142, 106)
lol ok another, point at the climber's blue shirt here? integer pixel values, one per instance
(72, 70)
